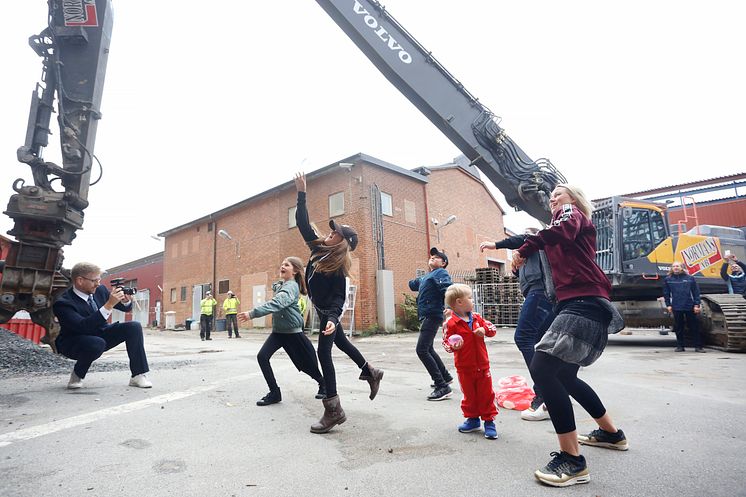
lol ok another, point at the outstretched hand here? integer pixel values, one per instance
(300, 181)
(486, 246)
(243, 316)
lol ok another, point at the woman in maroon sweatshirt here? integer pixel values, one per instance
(576, 337)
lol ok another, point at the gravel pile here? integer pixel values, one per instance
(19, 356)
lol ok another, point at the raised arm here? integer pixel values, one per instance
(301, 211)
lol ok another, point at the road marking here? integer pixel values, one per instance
(91, 417)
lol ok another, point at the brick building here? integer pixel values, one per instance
(240, 247)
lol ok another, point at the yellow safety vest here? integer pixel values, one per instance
(205, 306)
(230, 306)
(302, 305)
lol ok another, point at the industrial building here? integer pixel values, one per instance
(398, 214)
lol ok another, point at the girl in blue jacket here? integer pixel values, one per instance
(287, 330)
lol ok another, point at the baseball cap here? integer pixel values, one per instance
(347, 232)
(442, 255)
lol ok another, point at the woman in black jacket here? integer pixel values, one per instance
(326, 271)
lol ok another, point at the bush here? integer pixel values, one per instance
(410, 321)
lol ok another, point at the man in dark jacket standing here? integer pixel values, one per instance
(432, 289)
(681, 293)
(83, 311)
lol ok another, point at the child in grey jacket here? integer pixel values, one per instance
(287, 330)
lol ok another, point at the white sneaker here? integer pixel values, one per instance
(539, 414)
(75, 382)
(140, 381)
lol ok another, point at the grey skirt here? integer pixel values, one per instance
(576, 338)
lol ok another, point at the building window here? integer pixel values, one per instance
(183, 294)
(209, 227)
(387, 204)
(224, 286)
(291, 217)
(173, 295)
(336, 204)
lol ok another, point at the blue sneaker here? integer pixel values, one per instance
(490, 431)
(470, 425)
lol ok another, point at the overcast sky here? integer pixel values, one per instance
(206, 104)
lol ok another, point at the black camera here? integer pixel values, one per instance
(117, 283)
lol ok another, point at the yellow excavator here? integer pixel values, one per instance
(635, 248)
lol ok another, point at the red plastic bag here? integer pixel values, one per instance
(514, 393)
(511, 381)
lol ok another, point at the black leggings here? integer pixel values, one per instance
(298, 347)
(325, 354)
(558, 380)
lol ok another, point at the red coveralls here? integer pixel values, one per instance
(473, 365)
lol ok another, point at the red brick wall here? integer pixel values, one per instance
(479, 218)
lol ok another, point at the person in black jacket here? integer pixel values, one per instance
(535, 278)
(681, 292)
(326, 274)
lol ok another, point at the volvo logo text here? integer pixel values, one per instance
(381, 32)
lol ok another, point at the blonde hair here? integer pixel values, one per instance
(331, 258)
(581, 202)
(455, 292)
(300, 273)
(670, 269)
(83, 269)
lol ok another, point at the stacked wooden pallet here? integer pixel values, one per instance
(499, 296)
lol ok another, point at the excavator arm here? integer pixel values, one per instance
(74, 48)
(469, 124)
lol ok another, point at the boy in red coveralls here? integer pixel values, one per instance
(463, 334)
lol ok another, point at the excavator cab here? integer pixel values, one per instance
(633, 246)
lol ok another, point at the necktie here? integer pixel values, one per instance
(92, 303)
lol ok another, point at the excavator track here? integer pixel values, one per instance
(725, 321)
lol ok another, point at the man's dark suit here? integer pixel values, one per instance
(85, 334)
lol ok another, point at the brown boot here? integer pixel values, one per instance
(374, 380)
(333, 415)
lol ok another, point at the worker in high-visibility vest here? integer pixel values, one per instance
(206, 309)
(230, 308)
(303, 305)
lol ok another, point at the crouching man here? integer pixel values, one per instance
(83, 311)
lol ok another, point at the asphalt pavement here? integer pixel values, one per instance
(198, 432)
